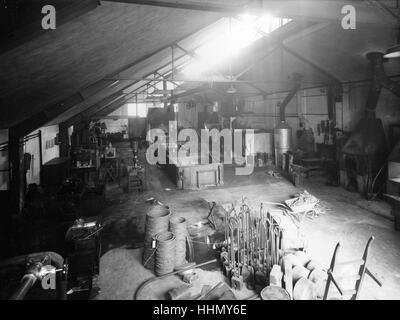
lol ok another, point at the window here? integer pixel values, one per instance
(137, 110)
(230, 38)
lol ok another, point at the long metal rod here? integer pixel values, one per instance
(144, 284)
(26, 284)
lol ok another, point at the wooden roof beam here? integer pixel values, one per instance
(320, 10)
(187, 5)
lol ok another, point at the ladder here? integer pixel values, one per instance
(359, 277)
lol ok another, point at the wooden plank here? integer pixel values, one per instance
(187, 5)
(349, 263)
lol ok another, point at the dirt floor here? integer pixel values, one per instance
(348, 219)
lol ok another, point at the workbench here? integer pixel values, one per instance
(191, 174)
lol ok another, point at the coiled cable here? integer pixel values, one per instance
(165, 253)
(157, 221)
(177, 225)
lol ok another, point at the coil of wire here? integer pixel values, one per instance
(177, 225)
(165, 253)
(157, 221)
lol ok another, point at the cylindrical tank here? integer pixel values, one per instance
(282, 142)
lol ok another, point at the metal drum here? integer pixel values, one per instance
(282, 142)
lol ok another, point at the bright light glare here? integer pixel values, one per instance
(230, 40)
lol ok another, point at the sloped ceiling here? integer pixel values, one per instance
(85, 50)
(116, 39)
(342, 52)
(327, 54)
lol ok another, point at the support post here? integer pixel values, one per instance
(40, 155)
(17, 188)
(63, 140)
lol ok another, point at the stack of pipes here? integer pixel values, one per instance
(252, 247)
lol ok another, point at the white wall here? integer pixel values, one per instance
(312, 105)
(309, 104)
(32, 147)
(117, 125)
(50, 152)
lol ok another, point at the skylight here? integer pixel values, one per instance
(230, 38)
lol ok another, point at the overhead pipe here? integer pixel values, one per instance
(282, 107)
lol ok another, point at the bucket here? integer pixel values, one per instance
(274, 293)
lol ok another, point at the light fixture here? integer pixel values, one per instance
(231, 89)
(393, 52)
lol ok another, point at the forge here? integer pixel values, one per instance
(366, 150)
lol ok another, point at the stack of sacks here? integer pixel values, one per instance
(291, 238)
(308, 280)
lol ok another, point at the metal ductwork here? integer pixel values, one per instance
(282, 107)
(283, 132)
(380, 80)
(369, 136)
(366, 150)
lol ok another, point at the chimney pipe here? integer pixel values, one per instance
(297, 79)
(380, 80)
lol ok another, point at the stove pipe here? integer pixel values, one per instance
(369, 136)
(297, 82)
(380, 80)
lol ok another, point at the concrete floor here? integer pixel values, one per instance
(349, 219)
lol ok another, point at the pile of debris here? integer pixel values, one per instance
(304, 202)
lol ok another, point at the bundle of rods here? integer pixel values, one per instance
(252, 246)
